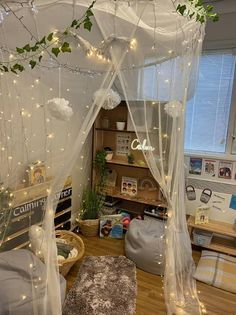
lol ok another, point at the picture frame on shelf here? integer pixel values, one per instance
(36, 173)
(129, 186)
(202, 215)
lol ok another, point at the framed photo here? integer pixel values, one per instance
(202, 215)
(37, 173)
(129, 186)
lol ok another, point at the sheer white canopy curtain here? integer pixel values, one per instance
(149, 54)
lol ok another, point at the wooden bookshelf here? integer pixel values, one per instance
(107, 137)
(224, 236)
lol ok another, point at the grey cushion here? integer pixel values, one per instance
(17, 269)
(144, 244)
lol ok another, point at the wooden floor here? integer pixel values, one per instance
(150, 299)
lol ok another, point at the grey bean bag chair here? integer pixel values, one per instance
(144, 244)
(17, 269)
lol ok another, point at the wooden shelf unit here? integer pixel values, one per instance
(107, 138)
(125, 163)
(224, 236)
(152, 202)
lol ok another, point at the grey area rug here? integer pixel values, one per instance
(105, 285)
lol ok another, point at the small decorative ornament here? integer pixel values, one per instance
(59, 108)
(111, 98)
(173, 108)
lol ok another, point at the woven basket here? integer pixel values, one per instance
(89, 227)
(74, 240)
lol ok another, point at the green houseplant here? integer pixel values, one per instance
(93, 198)
(89, 209)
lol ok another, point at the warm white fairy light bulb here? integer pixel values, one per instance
(133, 43)
(50, 135)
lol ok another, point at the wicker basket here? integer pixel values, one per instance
(89, 227)
(74, 240)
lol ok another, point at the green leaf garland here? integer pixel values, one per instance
(196, 9)
(34, 53)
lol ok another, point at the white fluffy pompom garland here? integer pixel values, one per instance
(111, 100)
(173, 108)
(59, 108)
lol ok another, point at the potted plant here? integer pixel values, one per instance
(91, 204)
(101, 169)
(130, 158)
(93, 198)
(120, 125)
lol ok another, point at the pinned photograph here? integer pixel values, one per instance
(195, 166)
(210, 167)
(225, 170)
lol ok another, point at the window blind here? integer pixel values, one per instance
(207, 114)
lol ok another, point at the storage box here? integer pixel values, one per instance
(202, 238)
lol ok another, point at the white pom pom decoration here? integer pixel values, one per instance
(59, 108)
(173, 108)
(111, 100)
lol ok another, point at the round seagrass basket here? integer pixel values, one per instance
(74, 240)
(89, 227)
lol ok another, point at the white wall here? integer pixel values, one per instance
(219, 35)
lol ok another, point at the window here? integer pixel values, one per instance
(208, 112)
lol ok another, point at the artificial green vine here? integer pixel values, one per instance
(196, 9)
(56, 46)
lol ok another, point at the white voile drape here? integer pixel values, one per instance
(156, 81)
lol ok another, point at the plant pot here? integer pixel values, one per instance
(109, 156)
(120, 125)
(89, 227)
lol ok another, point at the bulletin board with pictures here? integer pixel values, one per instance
(214, 169)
